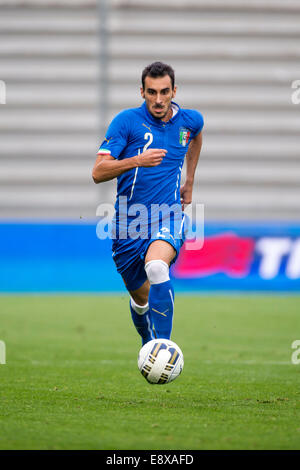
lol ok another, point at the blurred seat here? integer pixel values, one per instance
(235, 61)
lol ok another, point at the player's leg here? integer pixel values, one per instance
(161, 294)
(140, 296)
(130, 265)
(140, 312)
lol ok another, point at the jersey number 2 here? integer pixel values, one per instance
(147, 136)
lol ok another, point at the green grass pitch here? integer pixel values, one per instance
(71, 380)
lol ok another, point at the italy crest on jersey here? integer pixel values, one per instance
(184, 135)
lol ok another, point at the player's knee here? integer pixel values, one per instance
(157, 271)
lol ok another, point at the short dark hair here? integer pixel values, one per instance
(158, 69)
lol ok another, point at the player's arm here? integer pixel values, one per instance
(107, 167)
(192, 158)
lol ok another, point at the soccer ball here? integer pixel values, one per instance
(160, 361)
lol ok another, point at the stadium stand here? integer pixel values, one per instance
(235, 61)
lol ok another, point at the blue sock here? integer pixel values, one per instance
(142, 321)
(161, 303)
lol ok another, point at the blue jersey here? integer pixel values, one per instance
(132, 132)
(135, 130)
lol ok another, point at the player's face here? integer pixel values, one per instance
(158, 94)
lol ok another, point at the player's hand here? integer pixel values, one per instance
(151, 157)
(186, 192)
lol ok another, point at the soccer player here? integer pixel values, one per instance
(144, 148)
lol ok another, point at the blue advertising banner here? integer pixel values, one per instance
(56, 257)
(242, 256)
(68, 257)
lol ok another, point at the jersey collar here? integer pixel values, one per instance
(158, 122)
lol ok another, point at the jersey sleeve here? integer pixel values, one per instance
(197, 123)
(116, 137)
